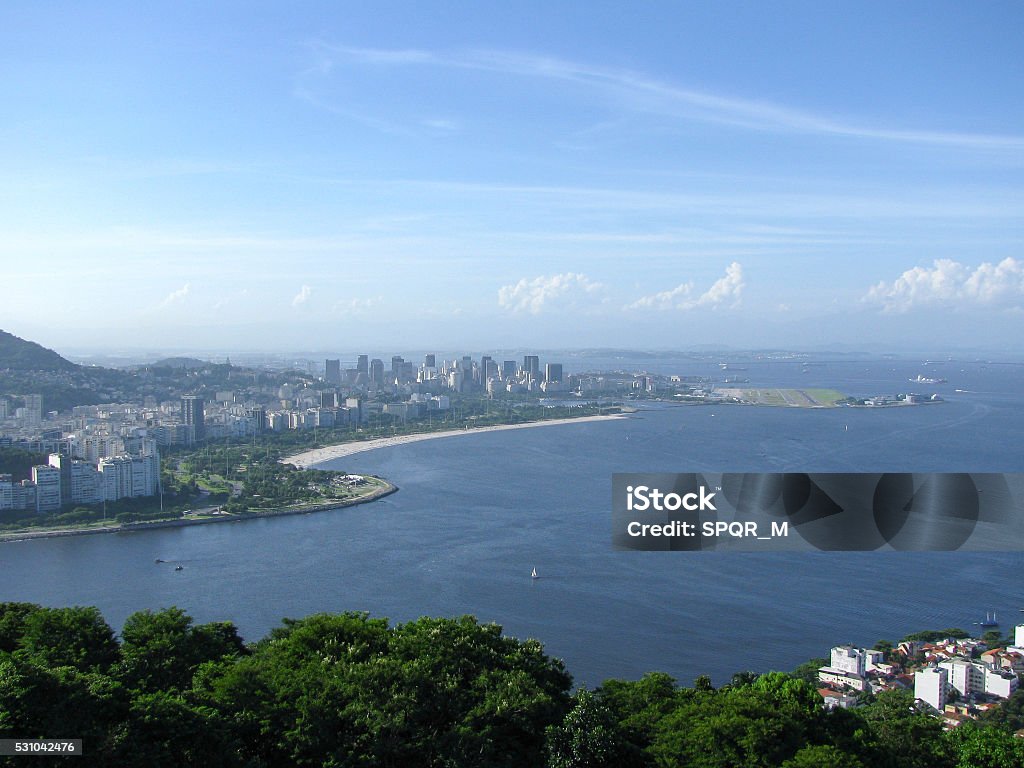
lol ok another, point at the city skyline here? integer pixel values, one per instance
(488, 177)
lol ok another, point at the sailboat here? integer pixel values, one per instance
(990, 621)
(534, 574)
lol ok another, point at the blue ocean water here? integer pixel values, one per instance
(476, 513)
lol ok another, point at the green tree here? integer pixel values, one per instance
(77, 637)
(639, 706)
(12, 623)
(984, 747)
(161, 651)
(588, 737)
(822, 756)
(898, 735)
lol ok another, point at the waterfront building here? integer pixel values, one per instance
(6, 492)
(47, 482)
(129, 476)
(80, 480)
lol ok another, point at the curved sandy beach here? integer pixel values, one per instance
(318, 455)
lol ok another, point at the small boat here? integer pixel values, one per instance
(990, 621)
(160, 561)
(534, 574)
(179, 567)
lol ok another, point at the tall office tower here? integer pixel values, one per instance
(430, 361)
(363, 364)
(553, 372)
(192, 415)
(396, 367)
(531, 365)
(328, 399)
(332, 371)
(490, 370)
(483, 368)
(258, 415)
(508, 370)
(377, 372)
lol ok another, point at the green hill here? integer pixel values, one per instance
(19, 355)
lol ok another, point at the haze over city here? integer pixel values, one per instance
(512, 175)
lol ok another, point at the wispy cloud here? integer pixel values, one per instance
(177, 296)
(355, 306)
(302, 296)
(726, 290)
(539, 294)
(641, 93)
(953, 284)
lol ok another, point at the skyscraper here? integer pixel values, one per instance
(332, 371)
(553, 372)
(363, 364)
(192, 415)
(531, 365)
(258, 416)
(377, 372)
(430, 361)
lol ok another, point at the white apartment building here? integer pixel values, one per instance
(967, 677)
(1000, 683)
(129, 476)
(848, 659)
(47, 482)
(930, 687)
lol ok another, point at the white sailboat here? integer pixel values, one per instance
(534, 574)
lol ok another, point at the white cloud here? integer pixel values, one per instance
(176, 296)
(535, 295)
(665, 299)
(355, 306)
(302, 296)
(725, 290)
(952, 283)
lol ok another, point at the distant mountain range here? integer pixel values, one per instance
(17, 354)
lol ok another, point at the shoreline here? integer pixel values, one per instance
(314, 456)
(53, 533)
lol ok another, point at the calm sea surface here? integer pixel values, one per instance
(476, 513)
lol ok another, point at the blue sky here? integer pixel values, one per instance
(480, 175)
